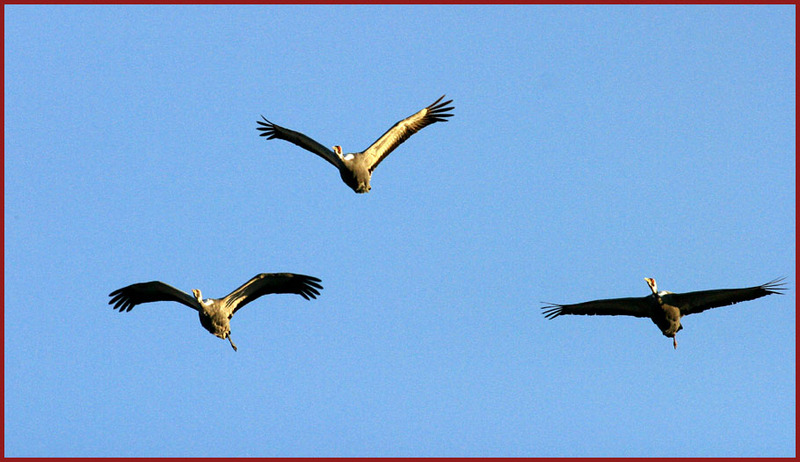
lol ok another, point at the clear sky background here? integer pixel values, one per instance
(590, 147)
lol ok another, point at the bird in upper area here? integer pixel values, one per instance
(664, 308)
(356, 168)
(215, 313)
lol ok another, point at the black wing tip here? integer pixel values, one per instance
(314, 285)
(120, 300)
(437, 101)
(308, 294)
(776, 286)
(442, 107)
(440, 118)
(552, 310)
(310, 286)
(268, 123)
(268, 128)
(301, 276)
(122, 304)
(437, 106)
(437, 112)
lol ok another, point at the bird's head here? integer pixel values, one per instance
(652, 283)
(337, 150)
(198, 295)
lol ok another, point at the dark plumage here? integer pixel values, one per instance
(664, 308)
(215, 313)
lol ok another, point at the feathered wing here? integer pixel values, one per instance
(126, 298)
(634, 306)
(696, 302)
(272, 283)
(401, 131)
(270, 130)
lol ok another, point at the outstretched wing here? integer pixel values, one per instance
(272, 283)
(126, 298)
(401, 131)
(696, 302)
(270, 130)
(634, 306)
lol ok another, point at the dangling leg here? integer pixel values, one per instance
(230, 340)
(674, 342)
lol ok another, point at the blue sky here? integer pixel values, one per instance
(591, 147)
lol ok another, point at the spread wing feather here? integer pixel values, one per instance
(271, 130)
(634, 306)
(126, 298)
(272, 283)
(402, 130)
(696, 302)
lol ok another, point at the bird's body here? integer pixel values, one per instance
(215, 318)
(216, 313)
(356, 168)
(667, 317)
(355, 171)
(664, 308)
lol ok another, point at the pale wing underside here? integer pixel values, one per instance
(696, 302)
(272, 283)
(270, 130)
(401, 131)
(126, 298)
(634, 306)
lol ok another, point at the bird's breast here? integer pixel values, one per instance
(215, 322)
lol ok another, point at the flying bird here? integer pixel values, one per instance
(664, 308)
(215, 313)
(356, 168)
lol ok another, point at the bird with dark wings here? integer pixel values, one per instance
(216, 313)
(664, 308)
(356, 168)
